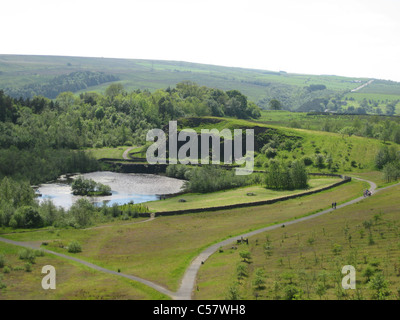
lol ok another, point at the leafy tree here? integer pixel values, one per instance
(114, 90)
(82, 212)
(28, 217)
(275, 104)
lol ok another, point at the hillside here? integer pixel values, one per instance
(20, 75)
(323, 151)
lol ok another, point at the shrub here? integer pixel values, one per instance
(28, 267)
(270, 153)
(27, 254)
(292, 292)
(2, 261)
(307, 161)
(74, 247)
(319, 161)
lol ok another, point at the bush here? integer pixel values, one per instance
(28, 267)
(74, 247)
(2, 261)
(27, 254)
(319, 161)
(270, 153)
(307, 161)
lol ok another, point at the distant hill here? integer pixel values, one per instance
(47, 75)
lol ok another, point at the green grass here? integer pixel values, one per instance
(342, 149)
(305, 251)
(162, 249)
(20, 70)
(115, 153)
(228, 197)
(73, 281)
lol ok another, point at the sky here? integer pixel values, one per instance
(355, 38)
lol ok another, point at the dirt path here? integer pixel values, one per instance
(189, 279)
(125, 155)
(362, 86)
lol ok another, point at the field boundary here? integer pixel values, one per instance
(345, 179)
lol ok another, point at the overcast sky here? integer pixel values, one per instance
(342, 37)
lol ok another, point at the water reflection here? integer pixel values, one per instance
(125, 187)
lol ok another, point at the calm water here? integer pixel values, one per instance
(125, 187)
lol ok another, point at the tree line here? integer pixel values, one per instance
(38, 134)
(75, 81)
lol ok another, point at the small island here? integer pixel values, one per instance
(89, 187)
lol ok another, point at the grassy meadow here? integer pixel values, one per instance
(73, 281)
(307, 257)
(227, 197)
(162, 249)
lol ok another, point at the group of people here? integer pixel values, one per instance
(367, 193)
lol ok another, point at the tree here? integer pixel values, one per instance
(241, 271)
(82, 211)
(245, 255)
(114, 90)
(347, 131)
(100, 113)
(233, 292)
(298, 175)
(292, 292)
(380, 285)
(275, 104)
(28, 217)
(259, 280)
(65, 100)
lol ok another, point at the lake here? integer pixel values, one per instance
(125, 187)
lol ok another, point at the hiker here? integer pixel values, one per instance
(334, 204)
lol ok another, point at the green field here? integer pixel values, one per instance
(113, 153)
(309, 256)
(73, 281)
(162, 249)
(228, 197)
(259, 85)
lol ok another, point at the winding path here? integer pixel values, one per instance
(125, 155)
(189, 279)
